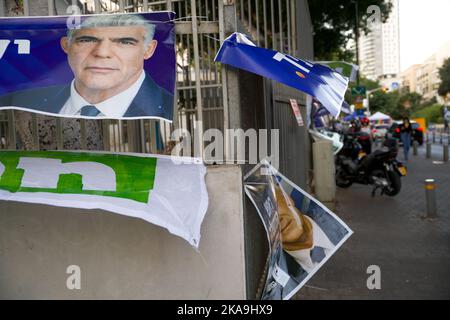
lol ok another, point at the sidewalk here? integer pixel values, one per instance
(413, 253)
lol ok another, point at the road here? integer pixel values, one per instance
(412, 253)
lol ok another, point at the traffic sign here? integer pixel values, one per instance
(359, 91)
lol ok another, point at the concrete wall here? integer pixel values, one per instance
(123, 257)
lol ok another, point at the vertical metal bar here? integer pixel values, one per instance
(288, 16)
(280, 25)
(201, 50)
(51, 7)
(142, 135)
(168, 4)
(121, 6)
(34, 124)
(115, 135)
(131, 135)
(265, 24)
(106, 125)
(2, 8)
(145, 6)
(26, 7)
(272, 21)
(12, 138)
(197, 78)
(257, 22)
(59, 134)
(293, 28)
(122, 147)
(242, 9)
(224, 83)
(152, 131)
(250, 16)
(97, 6)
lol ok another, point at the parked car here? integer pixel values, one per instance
(379, 131)
(394, 130)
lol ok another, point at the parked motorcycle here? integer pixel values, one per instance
(380, 168)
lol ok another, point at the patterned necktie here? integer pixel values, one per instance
(90, 111)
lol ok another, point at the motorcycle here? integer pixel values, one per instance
(380, 168)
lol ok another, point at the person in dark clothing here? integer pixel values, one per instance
(405, 136)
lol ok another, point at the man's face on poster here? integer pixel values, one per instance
(107, 60)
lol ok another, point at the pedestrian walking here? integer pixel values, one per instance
(406, 136)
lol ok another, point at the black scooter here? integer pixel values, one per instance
(380, 168)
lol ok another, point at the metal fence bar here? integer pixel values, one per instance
(293, 29)
(226, 122)
(51, 7)
(280, 25)
(288, 16)
(272, 22)
(198, 89)
(34, 125)
(2, 8)
(97, 6)
(266, 45)
(26, 7)
(12, 137)
(249, 16)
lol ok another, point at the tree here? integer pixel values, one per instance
(334, 23)
(410, 101)
(444, 74)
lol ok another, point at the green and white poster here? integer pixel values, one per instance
(166, 191)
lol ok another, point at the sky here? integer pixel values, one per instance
(424, 28)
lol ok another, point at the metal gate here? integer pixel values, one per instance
(203, 97)
(200, 90)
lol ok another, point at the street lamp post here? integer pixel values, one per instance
(357, 39)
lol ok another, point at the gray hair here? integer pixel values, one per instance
(115, 20)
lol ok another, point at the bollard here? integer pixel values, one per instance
(428, 150)
(445, 156)
(430, 195)
(415, 144)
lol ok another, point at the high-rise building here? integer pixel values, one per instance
(379, 53)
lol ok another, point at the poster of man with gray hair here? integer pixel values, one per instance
(113, 66)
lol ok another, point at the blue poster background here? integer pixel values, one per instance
(47, 65)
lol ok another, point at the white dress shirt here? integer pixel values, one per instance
(114, 107)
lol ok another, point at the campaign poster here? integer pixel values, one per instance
(302, 233)
(105, 66)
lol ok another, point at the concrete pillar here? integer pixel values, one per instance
(324, 172)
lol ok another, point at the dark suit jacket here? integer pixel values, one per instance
(151, 100)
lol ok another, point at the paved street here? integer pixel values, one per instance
(413, 253)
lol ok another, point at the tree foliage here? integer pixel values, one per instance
(444, 74)
(334, 23)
